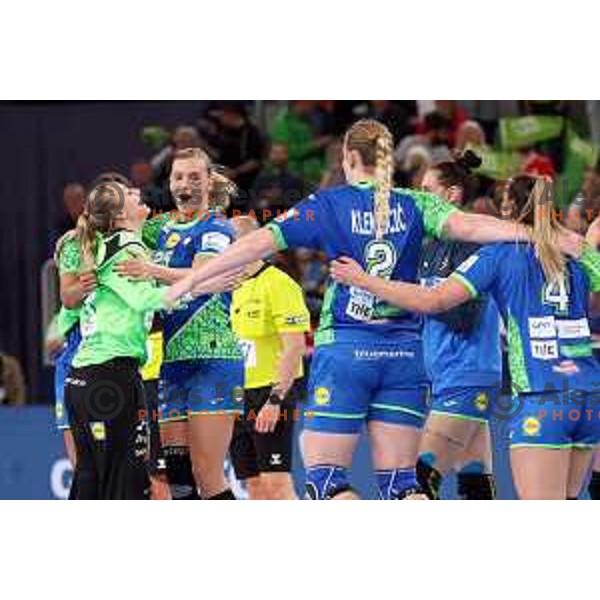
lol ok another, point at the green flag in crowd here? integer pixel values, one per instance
(579, 155)
(521, 132)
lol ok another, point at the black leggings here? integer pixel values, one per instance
(106, 404)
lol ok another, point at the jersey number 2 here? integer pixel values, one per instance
(380, 258)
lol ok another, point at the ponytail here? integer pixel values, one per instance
(101, 207)
(545, 231)
(86, 236)
(221, 191)
(533, 198)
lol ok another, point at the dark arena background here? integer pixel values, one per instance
(52, 150)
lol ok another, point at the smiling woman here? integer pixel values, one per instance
(202, 369)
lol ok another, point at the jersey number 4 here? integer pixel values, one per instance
(556, 294)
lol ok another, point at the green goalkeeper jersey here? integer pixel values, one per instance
(68, 260)
(116, 318)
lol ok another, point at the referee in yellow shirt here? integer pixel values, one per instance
(270, 318)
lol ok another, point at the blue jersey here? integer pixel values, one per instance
(200, 329)
(547, 326)
(461, 347)
(340, 222)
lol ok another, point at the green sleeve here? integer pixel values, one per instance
(151, 230)
(141, 296)
(66, 319)
(69, 257)
(590, 261)
(434, 210)
(277, 235)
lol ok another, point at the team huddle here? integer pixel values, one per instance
(197, 340)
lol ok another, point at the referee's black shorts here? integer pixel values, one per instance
(253, 453)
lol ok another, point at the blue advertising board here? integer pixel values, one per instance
(33, 464)
(32, 460)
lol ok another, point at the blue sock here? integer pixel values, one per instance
(392, 483)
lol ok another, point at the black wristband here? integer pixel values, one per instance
(275, 399)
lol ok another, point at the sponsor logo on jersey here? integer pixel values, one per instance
(142, 440)
(544, 350)
(295, 320)
(572, 329)
(377, 354)
(275, 460)
(566, 367)
(449, 403)
(481, 402)
(360, 304)
(172, 240)
(215, 241)
(532, 426)
(322, 396)
(542, 327)
(98, 430)
(467, 264)
(238, 394)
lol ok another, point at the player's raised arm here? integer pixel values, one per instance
(254, 246)
(299, 227)
(442, 219)
(483, 229)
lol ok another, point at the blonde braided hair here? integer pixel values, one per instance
(374, 143)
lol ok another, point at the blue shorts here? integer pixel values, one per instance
(469, 403)
(554, 421)
(212, 386)
(61, 369)
(351, 383)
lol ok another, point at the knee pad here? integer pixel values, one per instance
(324, 482)
(476, 486)
(397, 484)
(429, 479)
